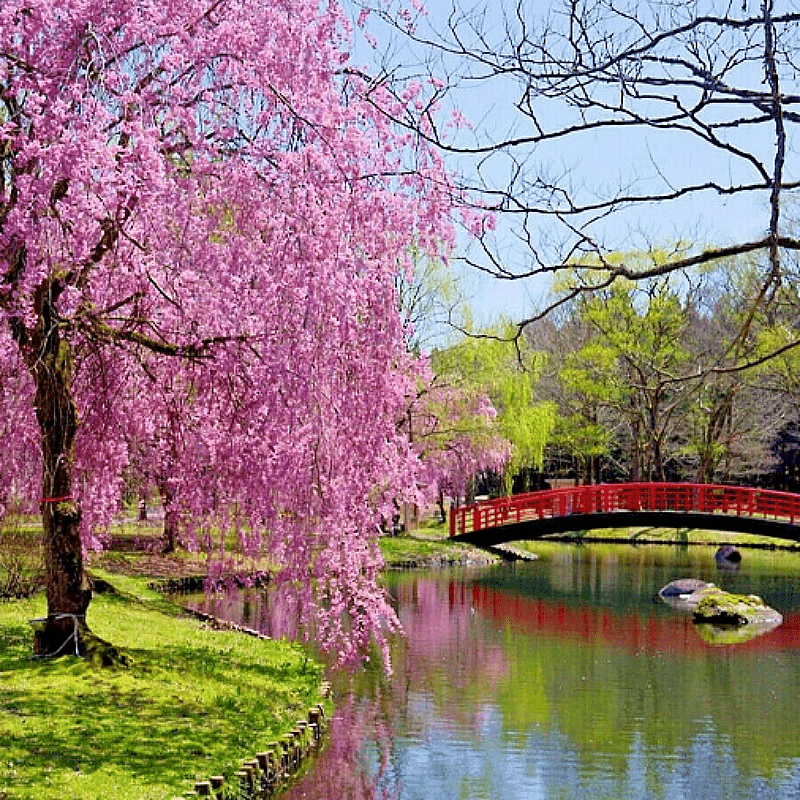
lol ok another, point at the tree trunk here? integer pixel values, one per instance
(636, 458)
(720, 420)
(50, 363)
(142, 517)
(169, 534)
(440, 504)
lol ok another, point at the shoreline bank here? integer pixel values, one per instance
(195, 702)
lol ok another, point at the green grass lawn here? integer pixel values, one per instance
(427, 546)
(194, 703)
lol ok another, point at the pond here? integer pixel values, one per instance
(567, 678)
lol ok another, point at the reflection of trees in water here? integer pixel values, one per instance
(275, 614)
(496, 685)
(356, 763)
(356, 760)
(606, 680)
(440, 658)
(618, 577)
(442, 628)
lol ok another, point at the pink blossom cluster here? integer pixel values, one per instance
(212, 211)
(19, 437)
(456, 435)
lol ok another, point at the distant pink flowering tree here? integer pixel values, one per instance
(456, 432)
(202, 212)
(19, 436)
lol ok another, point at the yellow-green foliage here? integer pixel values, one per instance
(506, 371)
(195, 702)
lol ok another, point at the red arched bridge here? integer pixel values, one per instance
(625, 505)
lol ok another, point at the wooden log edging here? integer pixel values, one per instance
(272, 769)
(217, 624)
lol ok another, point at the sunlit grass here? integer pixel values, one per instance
(195, 702)
(410, 549)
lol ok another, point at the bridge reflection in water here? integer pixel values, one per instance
(694, 505)
(649, 634)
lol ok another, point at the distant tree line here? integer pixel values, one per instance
(606, 126)
(674, 378)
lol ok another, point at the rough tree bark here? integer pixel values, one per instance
(49, 358)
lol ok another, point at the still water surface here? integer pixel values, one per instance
(564, 678)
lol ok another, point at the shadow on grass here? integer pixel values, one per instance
(194, 703)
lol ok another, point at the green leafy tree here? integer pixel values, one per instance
(625, 354)
(507, 372)
(589, 390)
(734, 415)
(432, 302)
(661, 375)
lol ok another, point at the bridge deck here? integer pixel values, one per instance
(708, 506)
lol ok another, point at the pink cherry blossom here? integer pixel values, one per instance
(201, 221)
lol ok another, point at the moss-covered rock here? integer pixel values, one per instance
(724, 608)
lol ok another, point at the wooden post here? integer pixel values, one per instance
(302, 726)
(284, 756)
(217, 782)
(245, 790)
(316, 717)
(293, 749)
(315, 733)
(254, 771)
(203, 788)
(274, 766)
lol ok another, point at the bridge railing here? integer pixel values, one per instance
(607, 498)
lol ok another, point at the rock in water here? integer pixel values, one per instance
(723, 608)
(727, 555)
(683, 587)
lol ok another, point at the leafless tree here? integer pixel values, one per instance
(605, 127)
(598, 121)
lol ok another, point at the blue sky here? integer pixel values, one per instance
(595, 164)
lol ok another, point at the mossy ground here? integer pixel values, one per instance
(193, 703)
(428, 546)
